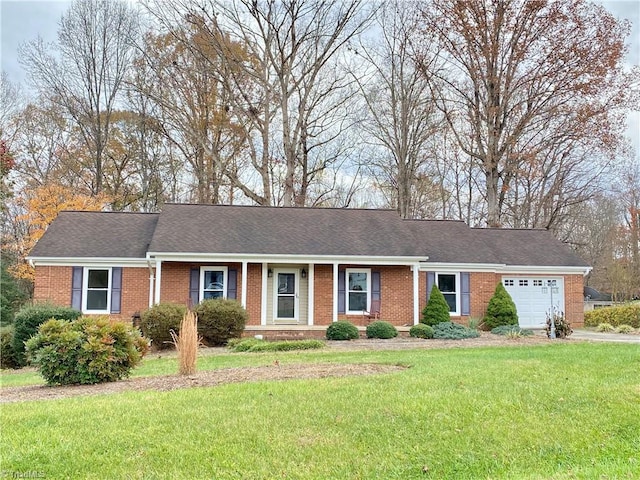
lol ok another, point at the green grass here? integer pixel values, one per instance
(562, 411)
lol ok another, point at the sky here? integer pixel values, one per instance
(24, 20)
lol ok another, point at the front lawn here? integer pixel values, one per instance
(563, 411)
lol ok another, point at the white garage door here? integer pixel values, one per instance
(534, 296)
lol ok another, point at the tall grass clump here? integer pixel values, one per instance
(186, 343)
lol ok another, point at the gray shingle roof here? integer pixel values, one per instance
(223, 229)
(279, 230)
(97, 234)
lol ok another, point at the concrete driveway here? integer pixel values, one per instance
(592, 336)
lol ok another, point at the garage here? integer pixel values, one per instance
(534, 296)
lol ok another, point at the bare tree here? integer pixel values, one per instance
(84, 71)
(402, 116)
(537, 85)
(288, 89)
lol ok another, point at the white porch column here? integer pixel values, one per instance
(151, 287)
(335, 292)
(158, 280)
(416, 294)
(244, 284)
(263, 297)
(311, 293)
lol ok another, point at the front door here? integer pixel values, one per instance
(285, 288)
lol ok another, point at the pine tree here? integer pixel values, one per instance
(501, 309)
(437, 309)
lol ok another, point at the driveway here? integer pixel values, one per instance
(592, 336)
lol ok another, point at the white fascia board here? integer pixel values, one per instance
(271, 258)
(501, 268)
(87, 262)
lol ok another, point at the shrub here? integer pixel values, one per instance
(625, 329)
(508, 329)
(219, 320)
(342, 330)
(453, 331)
(628, 314)
(562, 326)
(157, 322)
(29, 318)
(437, 309)
(255, 345)
(7, 357)
(381, 329)
(85, 351)
(12, 294)
(605, 327)
(421, 331)
(501, 309)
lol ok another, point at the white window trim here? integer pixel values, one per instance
(225, 280)
(346, 290)
(85, 291)
(458, 293)
(296, 296)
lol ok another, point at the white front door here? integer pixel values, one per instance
(285, 295)
(534, 297)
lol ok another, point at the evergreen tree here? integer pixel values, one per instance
(501, 309)
(437, 309)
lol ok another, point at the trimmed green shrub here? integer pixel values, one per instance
(628, 314)
(509, 329)
(255, 345)
(157, 322)
(453, 331)
(501, 309)
(625, 329)
(381, 329)
(220, 320)
(605, 327)
(29, 318)
(437, 309)
(342, 330)
(85, 351)
(421, 331)
(7, 357)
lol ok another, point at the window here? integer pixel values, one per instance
(213, 282)
(537, 283)
(448, 284)
(358, 290)
(508, 282)
(523, 283)
(97, 290)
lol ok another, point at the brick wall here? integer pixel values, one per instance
(323, 295)
(254, 291)
(53, 284)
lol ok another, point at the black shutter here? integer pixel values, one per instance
(431, 280)
(76, 288)
(232, 287)
(465, 296)
(194, 287)
(341, 291)
(375, 285)
(116, 289)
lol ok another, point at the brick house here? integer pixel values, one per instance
(296, 270)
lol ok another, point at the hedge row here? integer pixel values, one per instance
(628, 314)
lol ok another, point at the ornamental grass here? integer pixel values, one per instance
(186, 343)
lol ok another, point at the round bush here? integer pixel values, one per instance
(381, 329)
(220, 320)
(157, 322)
(85, 351)
(437, 309)
(7, 357)
(421, 331)
(453, 331)
(625, 329)
(342, 330)
(29, 318)
(501, 309)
